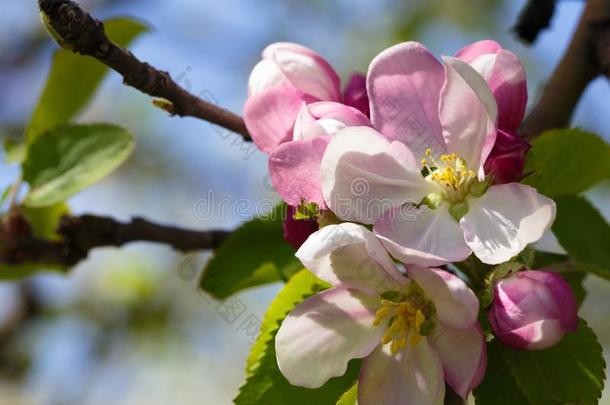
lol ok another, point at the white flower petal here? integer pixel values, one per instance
(349, 254)
(322, 334)
(507, 218)
(424, 236)
(364, 175)
(456, 305)
(468, 114)
(463, 354)
(413, 376)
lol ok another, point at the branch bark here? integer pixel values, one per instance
(582, 62)
(81, 234)
(79, 32)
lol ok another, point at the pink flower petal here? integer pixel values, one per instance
(294, 168)
(422, 236)
(319, 337)
(270, 115)
(327, 118)
(505, 76)
(413, 376)
(463, 353)
(355, 94)
(506, 161)
(456, 305)
(537, 335)
(404, 83)
(468, 114)
(505, 220)
(305, 69)
(364, 175)
(349, 254)
(476, 49)
(265, 75)
(567, 307)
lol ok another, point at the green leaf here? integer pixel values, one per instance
(255, 254)
(498, 386)
(23, 271)
(350, 397)
(73, 80)
(567, 161)
(67, 159)
(14, 151)
(584, 234)
(45, 220)
(570, 372)
(265, 384)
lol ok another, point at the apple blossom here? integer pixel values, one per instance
(533, 310)
(413, 333)
(288, 75)
(425, 190)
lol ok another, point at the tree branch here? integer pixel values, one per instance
(81, 33)
(535, 17)
(81, 234)
(586, 57)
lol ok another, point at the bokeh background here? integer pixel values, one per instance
(128, 326)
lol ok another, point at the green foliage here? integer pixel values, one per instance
(350, 397)
(45, 220)
(255, 254)
(73, 80)
(23, 271)
(14, 152)
(498, 387)
(570, 372)
(67, 159)
(265, 384)
(567, 161)
(584, 234)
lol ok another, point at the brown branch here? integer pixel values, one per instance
(81, 33)
(535, 17)
(80, 234)
(582, 62)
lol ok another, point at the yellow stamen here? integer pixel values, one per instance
(405, 323)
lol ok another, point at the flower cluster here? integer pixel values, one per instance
(416, 163)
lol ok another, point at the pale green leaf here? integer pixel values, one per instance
(68, 159)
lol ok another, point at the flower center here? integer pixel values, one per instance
(409, 320)
(451, 173)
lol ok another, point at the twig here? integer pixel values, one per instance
(535, 17)
(83, 34)
(81, 234)
(578, 67)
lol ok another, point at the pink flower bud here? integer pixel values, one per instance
(355, 94)
(296, 231)
(507, 158)
(533, 310)
(326, 118)
(291, 64)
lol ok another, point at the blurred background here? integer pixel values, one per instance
(128, 326)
